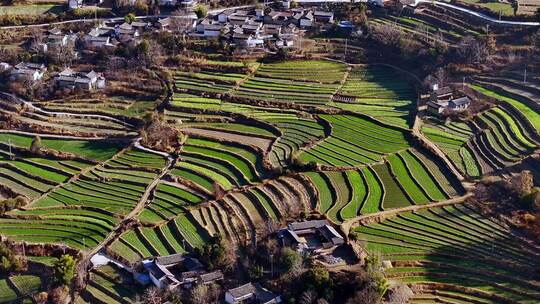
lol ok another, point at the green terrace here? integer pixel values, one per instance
(208, 163)
(175, 236)
(286, 90)
(169, 201)
(18, 287)
(107, 285)
(407, 178)
(493, 140)
(355, 141)
(93, 203)
(381, 92)
(97, 150)
(458, 249)
(320, 71)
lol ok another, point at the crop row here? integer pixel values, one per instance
(209, 163)
(177, 235)
(305, 70)
(169, 201)
(19, 287)
(355, 141)
(241, 216)
(409, 177)
(91, 149)
(288, 91)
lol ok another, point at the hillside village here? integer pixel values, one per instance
(300, 152)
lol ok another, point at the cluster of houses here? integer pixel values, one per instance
(442, 100)
(185, 271)
(258, 27)
(34, 72)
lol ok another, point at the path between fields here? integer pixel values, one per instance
(416, 131)
(138, 208)
(379, 216)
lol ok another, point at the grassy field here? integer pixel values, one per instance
(35, 9)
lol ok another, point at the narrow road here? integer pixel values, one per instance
(190, 16)
(477, 14)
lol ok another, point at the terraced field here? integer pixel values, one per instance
(93, 203)
(355, 141)
(18, 288)
(108, 285)
(409, 177)
(381, 92)
(176, 235)
(455, 252)
(493, 140)
(266, 143)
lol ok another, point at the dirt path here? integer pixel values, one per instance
(416, 132)
(117, 231)
(380, 216)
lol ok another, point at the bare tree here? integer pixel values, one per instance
(204, 294)
(152, 296)
(308, 297)
(387, 34)
(400, 294)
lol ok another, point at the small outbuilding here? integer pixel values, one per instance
(251, 293)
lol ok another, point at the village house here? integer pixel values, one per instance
(170, 272)
(251, 293)
(28, 71)
(323, 17)
(126, 32)
(314, 236)
(163, 23)
(99, 37)
(86, 81)
(442, 99)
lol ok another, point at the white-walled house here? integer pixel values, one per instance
(28, 71)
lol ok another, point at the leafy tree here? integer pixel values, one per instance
(201, 11)
(9, 262)
(64, 269)
(290, 260)
(215, 254)
(129, 18)
(318, 279)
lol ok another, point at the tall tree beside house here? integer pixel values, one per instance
(201, 11)
(64, 269)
